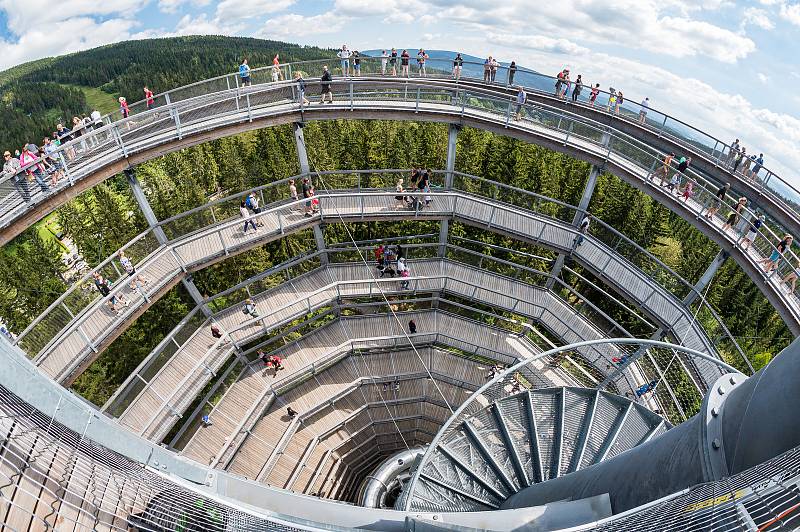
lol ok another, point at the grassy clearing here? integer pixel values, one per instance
(97, 99)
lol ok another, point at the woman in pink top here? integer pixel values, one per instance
(123, 107)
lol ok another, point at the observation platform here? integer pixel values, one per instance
(80, 341)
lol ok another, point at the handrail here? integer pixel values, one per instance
(497, 385)
(283, 85)
(493, 205)
(202, 361)
(574, 118)
(169, 97)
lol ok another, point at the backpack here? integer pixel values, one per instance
(248, 203)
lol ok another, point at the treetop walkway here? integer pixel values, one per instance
(65, 354)
(778, 196)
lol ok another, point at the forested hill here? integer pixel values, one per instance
(36, 96)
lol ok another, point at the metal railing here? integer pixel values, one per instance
(162, 355)
(513, 379)
(189, 226)
(692, 139)
(629, 153)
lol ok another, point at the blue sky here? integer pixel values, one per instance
(726, 66)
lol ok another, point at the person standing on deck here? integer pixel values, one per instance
(244, 73)
(344, 58)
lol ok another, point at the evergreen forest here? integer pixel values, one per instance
(101, 220)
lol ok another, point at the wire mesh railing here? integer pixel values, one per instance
(289, 215)
(650, 362)
(155, 126)
(419, 282)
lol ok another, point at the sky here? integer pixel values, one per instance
(728, 67)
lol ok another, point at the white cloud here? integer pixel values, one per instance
(293, 25)
(232, 10)
(763, 78)
(723, 114)
(32, 15)
(791, 13)
(537, 42)
(172, 6)
(203, 25)
(648, 24)
(756, 17)
(63, 37)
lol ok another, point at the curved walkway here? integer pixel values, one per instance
(219, 107)
(79, 343)
(250, 422)
(151, 135)
(167, 393)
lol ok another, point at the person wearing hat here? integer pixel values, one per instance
(11, 171)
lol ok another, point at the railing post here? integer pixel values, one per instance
(416, 107)
(238, 93)
(249, 109)
(63, 162)
(118, 139)
(173, 111)
(351, 95)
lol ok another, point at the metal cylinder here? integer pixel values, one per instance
(742, 423)
(378, 483)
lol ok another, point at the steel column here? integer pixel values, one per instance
(706, 278)
(452, 140)
(319, 239)
(152, 222)
(300, 142)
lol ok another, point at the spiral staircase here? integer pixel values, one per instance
(527, 438)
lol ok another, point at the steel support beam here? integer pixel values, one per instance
(501, 473)
(144, 205)
(706, 278)
(612, 439)
(319, 238)
(587, 429)
(583, 206)
(300, 143)
(511, 446)
(471, 473)
(452, 141)
(161, 237)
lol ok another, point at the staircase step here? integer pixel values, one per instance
(607, 412)
(545, 405)
(577, 407)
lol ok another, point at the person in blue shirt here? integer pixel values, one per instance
(759, 164)
(645, 388)
(244, 72)
(206, 421)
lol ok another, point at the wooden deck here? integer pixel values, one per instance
(153, 412)
(70, 352)
(204, 120)
(255, 389)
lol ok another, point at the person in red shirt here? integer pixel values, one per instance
(277, 363)
(148, 96)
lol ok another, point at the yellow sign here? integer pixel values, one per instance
(714, 501)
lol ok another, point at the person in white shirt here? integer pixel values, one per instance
(643, 110)
(344, 56)
(384, 61)
(521, 98)
(582, 230)
(245, 212)
(403, 271)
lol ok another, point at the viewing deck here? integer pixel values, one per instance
(80, 342)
